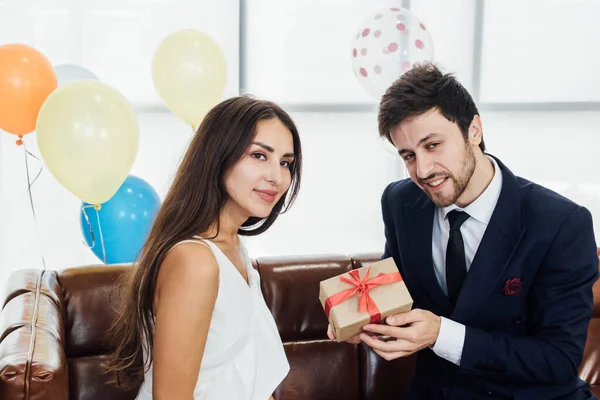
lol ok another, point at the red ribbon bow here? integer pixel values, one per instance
(362, 287)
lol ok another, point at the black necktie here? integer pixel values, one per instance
(456, 265)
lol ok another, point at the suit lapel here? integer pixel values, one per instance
(501, 239)
(419, 226)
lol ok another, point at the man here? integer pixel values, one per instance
(500, 269)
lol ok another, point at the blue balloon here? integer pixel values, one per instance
(67, 73)
(126, 220)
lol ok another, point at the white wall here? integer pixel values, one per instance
(116, 39)
(346, 164)
(299, 51)
(556, 149)
(541, 51)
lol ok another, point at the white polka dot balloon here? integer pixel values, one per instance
(386, 45)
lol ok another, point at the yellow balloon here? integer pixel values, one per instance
(189, 72)
(88, 137)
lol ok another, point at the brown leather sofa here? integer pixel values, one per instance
(52, 324)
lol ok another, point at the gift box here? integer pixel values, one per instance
(362, 296)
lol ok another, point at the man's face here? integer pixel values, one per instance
(438, 158)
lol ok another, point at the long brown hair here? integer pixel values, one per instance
(193, 203)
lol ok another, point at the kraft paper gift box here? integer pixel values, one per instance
(362, 296)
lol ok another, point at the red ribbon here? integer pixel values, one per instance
(362, 287)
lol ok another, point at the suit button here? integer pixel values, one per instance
(517, 319)
(489, 393)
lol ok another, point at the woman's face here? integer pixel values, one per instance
(257, 182)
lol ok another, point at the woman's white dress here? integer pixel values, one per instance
(244, 357)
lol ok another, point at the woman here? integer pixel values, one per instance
(193, 311)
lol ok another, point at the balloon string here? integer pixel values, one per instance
(29, 185)
(39, 172)
(91, 229)
(89, 224)
(101, 235)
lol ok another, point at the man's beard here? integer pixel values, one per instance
(459, 183)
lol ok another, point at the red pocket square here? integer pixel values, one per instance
(512, 286)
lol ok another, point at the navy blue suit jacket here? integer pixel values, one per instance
(527, 345)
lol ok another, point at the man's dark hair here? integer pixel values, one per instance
(422, 88)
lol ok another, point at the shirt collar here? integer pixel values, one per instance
(482, 207)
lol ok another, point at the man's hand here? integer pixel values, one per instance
(422, 330)
(331, 335)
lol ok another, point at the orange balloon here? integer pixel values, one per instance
(26, 80)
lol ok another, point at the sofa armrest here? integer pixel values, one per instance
(33, 364)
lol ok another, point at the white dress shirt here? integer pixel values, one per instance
(451, 339)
